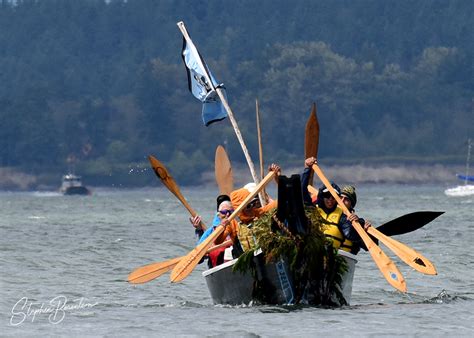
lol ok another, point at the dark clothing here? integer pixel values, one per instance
(304, 186)
(345, 226)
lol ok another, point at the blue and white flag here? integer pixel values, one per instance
(198, 83)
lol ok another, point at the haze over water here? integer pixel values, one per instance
(79, 250)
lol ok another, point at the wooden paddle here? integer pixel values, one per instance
(311, 140)
(189, 262)
(151, 271)
(263, 196)
(223, 171)
(165, 177)
(386, 266)
(411, 257)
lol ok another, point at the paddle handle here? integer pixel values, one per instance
(385, 264)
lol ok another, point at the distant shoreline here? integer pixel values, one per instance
(11, 180)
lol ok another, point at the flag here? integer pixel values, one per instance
(198, 83)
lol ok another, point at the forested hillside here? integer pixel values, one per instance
(103, 82)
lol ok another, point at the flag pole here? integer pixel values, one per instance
(219, 92)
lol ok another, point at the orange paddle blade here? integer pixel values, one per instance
(223, 171)
(410, 256)
(311, 138)
(312, 134)
(151, 271)
(165, 177)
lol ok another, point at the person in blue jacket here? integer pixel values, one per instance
(196, 221)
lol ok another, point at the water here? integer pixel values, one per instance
(80, 250)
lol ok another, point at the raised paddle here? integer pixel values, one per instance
(149, 272)
(386, 266)
(189, 262)
(411, 257)
(311, 138)
(165, 177)
(223, 171)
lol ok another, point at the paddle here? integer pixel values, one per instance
(165, 177)
(149, 272)
(411, 257)
(386, 266)
(311, 139)
(263, 196)
(408, 223)
(223, 171)
(189, 262)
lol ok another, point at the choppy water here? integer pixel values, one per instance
(56, 248)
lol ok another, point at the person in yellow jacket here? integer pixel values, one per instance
(338, 227)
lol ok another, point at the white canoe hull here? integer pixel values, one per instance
(235, 288)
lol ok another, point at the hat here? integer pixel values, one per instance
(350, 193)
(222, 198)
(250, 187)
(323, 189)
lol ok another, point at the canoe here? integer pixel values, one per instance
(235, 288)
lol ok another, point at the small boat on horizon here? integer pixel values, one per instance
(72, 185)
(466, 189)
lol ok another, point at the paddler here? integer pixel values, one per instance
(252, 211)
(338, 228)
(352, 242)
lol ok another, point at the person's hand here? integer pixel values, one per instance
(353, 218)
(225, 222)
(367, 225)
(310, 161)
(275, 168)
(196, 222)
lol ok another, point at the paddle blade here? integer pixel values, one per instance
(386, 266)
(189, 262)
(311, 139)
(408, 223)
(161, 171)
(411, 257)
(223, 171)
(165, 177)
(151, 271)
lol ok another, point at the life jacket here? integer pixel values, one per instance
(332, 231)
(246, 237)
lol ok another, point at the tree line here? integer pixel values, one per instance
(101, 83)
